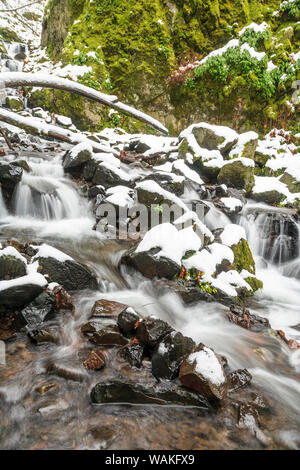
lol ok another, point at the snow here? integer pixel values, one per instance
(265, 184)
(153, 187)
(120, 196)
(256, 55)
(245, 161)
(257, 28)
(229, 281)
(173, 243)
(192, 217)
(231, 203)
(243, 139)
(33, 278)
(47, 251)
(191, 175)
(221, 252)
(232, 234)
(208, 365)
(82, 147)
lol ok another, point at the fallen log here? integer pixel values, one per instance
(38, 127)
(16, 79)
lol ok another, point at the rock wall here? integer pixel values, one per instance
(133, 49)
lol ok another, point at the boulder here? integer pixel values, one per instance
(40, 308)
(10, 176)
(169, 354)
(238, 173)
(150, 265)
(68, 273)
(242, 317)
(42, 336)
(203, 372)
(292, 181)
(119, 392)
(12, 265)
(17, 296)
(151, 331)
(77, 156)
(108, 176)
(212, 137)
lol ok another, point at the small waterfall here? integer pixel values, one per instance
(50, 197)
(272, 233)
(13, 60)
(3, 211)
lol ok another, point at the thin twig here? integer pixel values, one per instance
(19, 8)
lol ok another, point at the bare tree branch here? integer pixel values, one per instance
(3, 133)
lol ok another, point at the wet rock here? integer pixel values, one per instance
(171, 182)
(108, 176)
(149, 265)
(96, 360)
(95, 191)
(10, 176)
(133, 354)
(11, 267)
(42, 336)
(94, 325)
(108, 336)
(242, 317)
(18, 296)
(127, 320)
(66, 371)
(203, 372)
(188, 293)
(107, 308)
(238, 379)
(43, 389)
(247, 419)
(70, 274)
(40, 308)
(151, 331)
(120, 392)
(169, 354)
(77, 157)
(53, 409)
(63, 299)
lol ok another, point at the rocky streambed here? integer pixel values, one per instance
(167, 341)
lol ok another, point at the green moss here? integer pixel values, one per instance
(255, 283)
(243, 258)
(9, 36)
(14, 103)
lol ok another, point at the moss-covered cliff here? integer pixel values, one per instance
(134, 47)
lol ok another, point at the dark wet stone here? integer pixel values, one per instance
(81, 158)
(63, 299)
(133, 354)
(107, 309)
(191, 377)
(188, 294)
(69, 274)
(167, 182)
(42, 336)
(108, 336)
(95, 191)
(149, 265)
(169, 354)
(151, 331)
(108, 178)
(66, 371)
(18, 296)
(242, 317)
(127, 320)
(10, 176)
(40, 308)
(95, 361)
(120, 392)
(238, 379)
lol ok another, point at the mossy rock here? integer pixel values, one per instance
(15, 103)
(8, 35)
(237, 175)
(292, 183)
(11, 268)
(269, 197)
(186, 152)
(243, 258)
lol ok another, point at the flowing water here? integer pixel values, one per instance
(47, 207)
